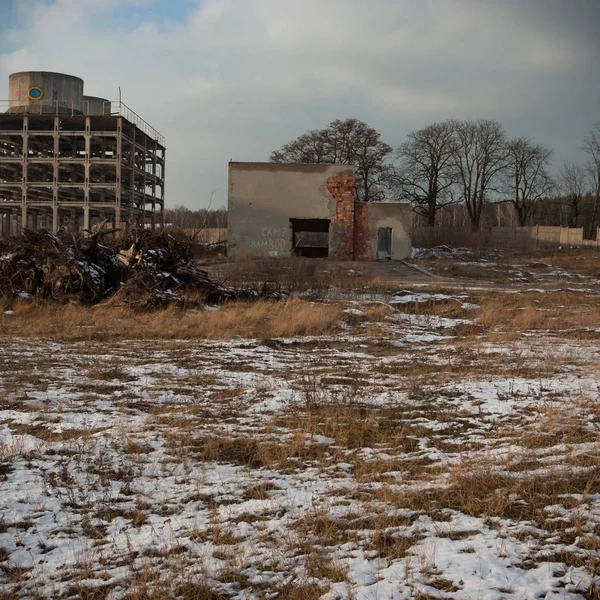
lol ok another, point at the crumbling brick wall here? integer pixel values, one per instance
(341, 188)
(362, 235)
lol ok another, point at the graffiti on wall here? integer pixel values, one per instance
(272, 241)
(35, 93)
(56, 102)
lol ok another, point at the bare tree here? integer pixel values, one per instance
(426, 171)
(591, 146)
(526, 175)
(572, 183)
(220, 218)
(480, 158)
(349, 142)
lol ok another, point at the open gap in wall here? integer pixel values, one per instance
(384, 243)
(310, 237)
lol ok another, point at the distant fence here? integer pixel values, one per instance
(502, 237)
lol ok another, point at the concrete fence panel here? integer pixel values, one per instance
(531, 237)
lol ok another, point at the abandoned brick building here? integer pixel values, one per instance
(279, 210)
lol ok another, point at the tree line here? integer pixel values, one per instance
(469, 162)
(180, 217)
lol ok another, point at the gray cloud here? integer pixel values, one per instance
(241, 77)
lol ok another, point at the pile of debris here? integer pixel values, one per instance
(144, 270)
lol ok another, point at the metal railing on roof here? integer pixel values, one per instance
(82, 107)
(121, 109)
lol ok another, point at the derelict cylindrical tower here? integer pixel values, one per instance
(37, 92)
(95, 106)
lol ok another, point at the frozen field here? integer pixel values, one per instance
(433, 443)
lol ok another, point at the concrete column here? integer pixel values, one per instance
(155, 152)
(118, 188)
(25, 165)
(55, 175)
(133, 167)
(24, 216)
(162, 201)
(145, 175)
(86, 184)
(86, 217)
(55, 218)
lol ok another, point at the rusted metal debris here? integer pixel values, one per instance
(144, 270)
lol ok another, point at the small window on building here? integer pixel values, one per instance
(310, 237)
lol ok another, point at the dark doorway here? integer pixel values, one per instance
(310, 237)
(384, 242)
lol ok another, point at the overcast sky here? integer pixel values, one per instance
(235, 79)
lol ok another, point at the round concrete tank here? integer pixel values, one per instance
(96, 107)
(37, 92)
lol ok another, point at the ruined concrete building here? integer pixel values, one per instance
(279, 210)
(70, 160)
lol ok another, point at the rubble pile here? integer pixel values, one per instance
(41, 264)
(159, 268)
(144, 270)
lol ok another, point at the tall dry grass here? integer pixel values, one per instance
(262, 319)
(539, 311)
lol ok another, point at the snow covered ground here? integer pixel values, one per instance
(399, 458)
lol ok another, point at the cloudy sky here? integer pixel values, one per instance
(235, 79)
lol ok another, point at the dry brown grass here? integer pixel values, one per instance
(150, 585)
(554, 311)
(321, 566)
(245, 451)
(45, 433)
(486, 491)
(318, 527)
(510, 310)
(391, 545)
(262, 319)
(351, 425)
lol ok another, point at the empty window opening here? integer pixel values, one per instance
(310, 237)
(384, 243)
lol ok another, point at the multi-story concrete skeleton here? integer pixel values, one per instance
(69, 160)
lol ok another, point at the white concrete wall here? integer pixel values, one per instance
(397, 216)
(263, 197)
